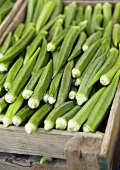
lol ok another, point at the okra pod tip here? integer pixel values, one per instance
(6, 121)
(30, 128)
(9, 98)
(16, 120)
(33, 103)
(73, 126)
(27, 94)
(50, 47)
(1, 55)
(51, 99)
(48, 125)
(75, 72)
(61, 123)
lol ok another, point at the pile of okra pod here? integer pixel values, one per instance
(5, 7)
(61, 66)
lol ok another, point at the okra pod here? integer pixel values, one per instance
(83, 91)
(65, 84)
(37, 117)
(91, 39)
(22, 115)
(15, 50)
(75, 123)
(72, 93)
(54, 88)
(98, 20)
(107, 13)
(18, 83)
(106, 78)
(88, 17)
(12, 110)
(6, 7)
(85, 59)
(77, 49)
(29, 88)
(110, 61)
(58, 111)
(41, 86)
(79, 15)
(12, 73)
(66, 47)
(100, 109)
(45, 159)
(6, 44)
(2, 81)
(45, 14)
(18, 33)
(58, 9)
(116, 13)
(33, 46)
(30, 10)
(116, 34)
(70, 13)
(62, 122)
(3, 103)
(42, 57)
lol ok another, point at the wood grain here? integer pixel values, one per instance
(82, 152)
(10, 16)
(19, 17)
(111, 133)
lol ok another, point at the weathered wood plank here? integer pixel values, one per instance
(18, 18)
(82, 153)
(10, 16)
(111, 132)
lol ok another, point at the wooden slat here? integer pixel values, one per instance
(82, 153)
(16, 140)
(111, 132)
(10, 16)
(19, 17)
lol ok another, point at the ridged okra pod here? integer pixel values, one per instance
(58, 9)
(18, 83)
(116, 13)
(116, 34)
(100, 109)
(88, 17)
(13, 109)
(75, 123)
(37, 118)
(45, 14)
(41, 86)
(49, 122)
(65, 84)
(79, 16)
(12, 73)
(107, 13)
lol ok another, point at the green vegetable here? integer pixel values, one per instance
(12, 73)
(106, 78)
(6, 45)
(72, 93)
(19, 46)
(78, 47)
(110, 61)
(85, 59)
(65, 84)
(100, 109)
(42, 57)
(3, 103)
(66, 47)
(45, 159)
(62, 122)
(54, 88)
(116, 34)
(41, 86)
(30, 10)
(79, 15)
(29, 88)
(83, 91)
(2, 81)
(88, 17)
(58, 9)
(37, 117)
(81, 116)
(18, 83)
(91, 39)
(12, 110)
(116, 13)
(45, 14)
(6, 7)
(18, 32)
(97, 22)
(22, 115)
(107, 13)
(49, 122)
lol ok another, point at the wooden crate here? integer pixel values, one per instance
(81, 151)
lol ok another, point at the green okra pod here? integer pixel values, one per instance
(29, 88)
(15, 50)
(13, 109)
(107, 13)
(88, 17)
(45, 14)
(116, 34)
(65, 84)
(58, 9)
(79, 15)
(41, 86)
(100, 109)
(116, 13)
(78, 47)
(23, 74)
(37, 118)
(13, 73)
(49, 122)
